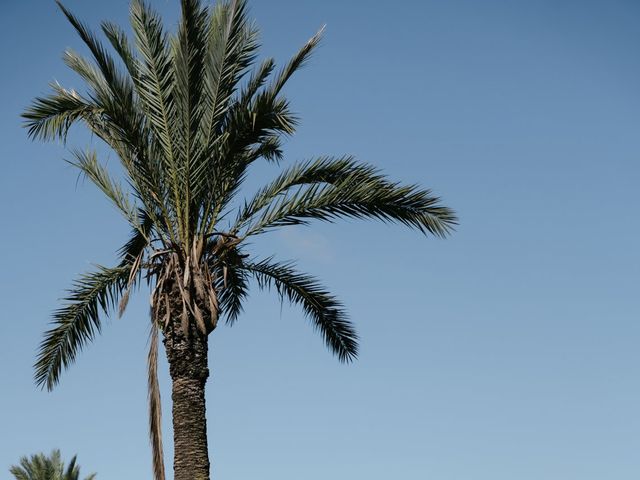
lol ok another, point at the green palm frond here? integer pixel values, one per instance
(256, 81)
(232, 282)
(139, 240)
(120, 43)
(94, 79)
(327, 189)
(155, 85)
(232, 46)
(122, 87)
(51, 467)
(324, 310)
(51, 117)
(87, 163)
(296, 62)
(77, 322)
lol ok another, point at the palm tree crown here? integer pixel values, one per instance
(187, 113)
(42, 467)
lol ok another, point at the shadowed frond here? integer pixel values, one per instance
(324, 311)
(139, 239)
(233, 284)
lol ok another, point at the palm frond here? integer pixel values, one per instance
(323, 309)
(328, 188)
(232, 283)
(253, 132)
(116, 91)
(120, 43)
(139, 240)
(87, 163)
(232, 47)
(189, 48)
(90, 74)
(155, 85)
(296, 62)
(103, 59)
(51, 467)
(255, 122)
(256, 81)
(115, 114)
(51, 117)
(77, 322)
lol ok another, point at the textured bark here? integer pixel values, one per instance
(187, 355)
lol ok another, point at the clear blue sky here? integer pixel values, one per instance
(510, 351)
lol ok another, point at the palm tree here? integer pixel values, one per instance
(41, 467)
(187, 113)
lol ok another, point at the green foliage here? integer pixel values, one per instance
(42, 467)
(324, 310)
(78, 321)
(187, 116)
(187, 113)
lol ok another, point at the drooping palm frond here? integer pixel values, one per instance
(78, 321)
(327, 189)
(324, 310)
(139, 239)
(232, 283)
(51, 117)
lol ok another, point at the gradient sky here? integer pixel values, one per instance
(509, 351)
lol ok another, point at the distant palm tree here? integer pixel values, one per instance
(41, 467)
(187, 116)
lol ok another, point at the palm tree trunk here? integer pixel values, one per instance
(187, 355)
